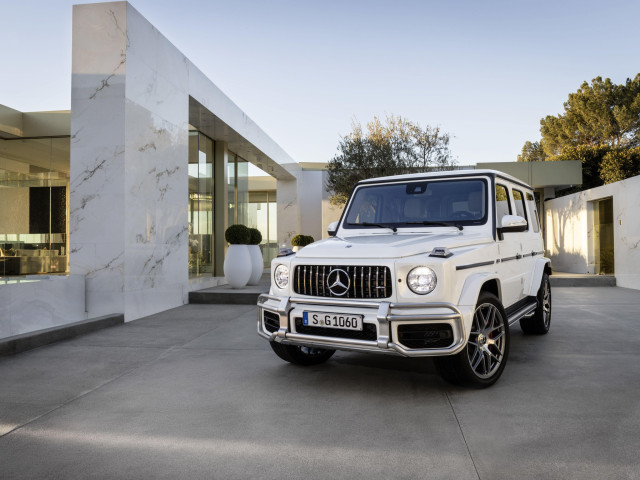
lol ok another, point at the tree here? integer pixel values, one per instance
(393, 147)
(602, 113)
(532, 152)
(600, 126)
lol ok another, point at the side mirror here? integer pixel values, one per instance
(512, 223)
(332, 229)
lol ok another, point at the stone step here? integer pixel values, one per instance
(582, 280)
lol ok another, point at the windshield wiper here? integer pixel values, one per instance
(368, 224)
(437, 224)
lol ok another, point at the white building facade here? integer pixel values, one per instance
(597, 231)
(136, 194)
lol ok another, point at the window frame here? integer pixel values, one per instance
(524, 205)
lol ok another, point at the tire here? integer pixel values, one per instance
(301, 355)
(484, 357)
(540, 321)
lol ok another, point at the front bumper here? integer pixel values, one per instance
(386, 316)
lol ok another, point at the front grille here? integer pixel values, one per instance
(368, 331)
(364, 281)
(271, 321)
(425, 335)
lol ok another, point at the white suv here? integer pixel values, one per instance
(437, 265)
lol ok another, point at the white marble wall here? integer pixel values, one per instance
(129, 155)
(30, 304)
(570, 225)
(97, 200)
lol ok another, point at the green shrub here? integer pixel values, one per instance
(255, 236)
(302, 240)
(237, 235)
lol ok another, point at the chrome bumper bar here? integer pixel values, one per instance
(386, 312)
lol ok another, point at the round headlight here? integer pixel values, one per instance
(281, 276)
(422, 280)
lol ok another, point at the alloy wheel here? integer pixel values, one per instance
(487, 340)
(546, 304)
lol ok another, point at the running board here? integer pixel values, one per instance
(524, 312)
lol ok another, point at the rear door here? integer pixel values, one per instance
(509, 247)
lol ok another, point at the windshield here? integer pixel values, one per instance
(429, 203)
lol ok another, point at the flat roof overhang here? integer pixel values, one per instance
(561, 174)
(215, 128)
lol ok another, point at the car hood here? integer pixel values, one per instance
(389, 246)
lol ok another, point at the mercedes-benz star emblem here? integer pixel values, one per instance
(338, 282)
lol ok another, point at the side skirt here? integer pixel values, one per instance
(522, 309)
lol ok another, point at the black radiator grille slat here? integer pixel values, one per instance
(368, 331)
(364, 281)
(423, 335)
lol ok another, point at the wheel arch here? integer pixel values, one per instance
(477, 283)
(542, 266)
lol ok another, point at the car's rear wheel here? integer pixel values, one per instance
(483, 359)
(301, 355)
(540, 322)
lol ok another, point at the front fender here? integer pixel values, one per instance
(472, 286)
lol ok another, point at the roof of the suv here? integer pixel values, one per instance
(447, 173)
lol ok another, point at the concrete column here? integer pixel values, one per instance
(220, 205)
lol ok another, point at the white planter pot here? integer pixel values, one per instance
(295, 249)
(237, 266)
(257, 264)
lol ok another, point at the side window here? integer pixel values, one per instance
(531, 201)
(503, 207)
(521, 209)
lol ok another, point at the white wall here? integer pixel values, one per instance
(34, 304)
(129, 156)
(570, 231)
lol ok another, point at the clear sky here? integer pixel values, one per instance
(485, 71)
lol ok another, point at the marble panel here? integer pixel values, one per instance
(173, 65)
(97, 218)
(105, 280)
(140, 303)
(152, 90)
(5, 311)
(97, 124)
(44, 303)
(95, 87)
(99, 39)
(149, 266)
(143, 39)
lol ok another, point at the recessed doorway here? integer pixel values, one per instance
(603, 236)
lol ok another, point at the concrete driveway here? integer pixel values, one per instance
(194, 393)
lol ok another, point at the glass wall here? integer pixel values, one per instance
(238, 189)
(200, 209)
(34, 206)
(262, 208)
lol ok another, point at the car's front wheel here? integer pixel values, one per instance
(482, 361)
(301, 355)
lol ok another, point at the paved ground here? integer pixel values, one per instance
(194, 393)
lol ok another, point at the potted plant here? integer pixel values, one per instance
(237, 262)
(300, 241)
(257, 264)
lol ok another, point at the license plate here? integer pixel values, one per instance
(332, 320)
